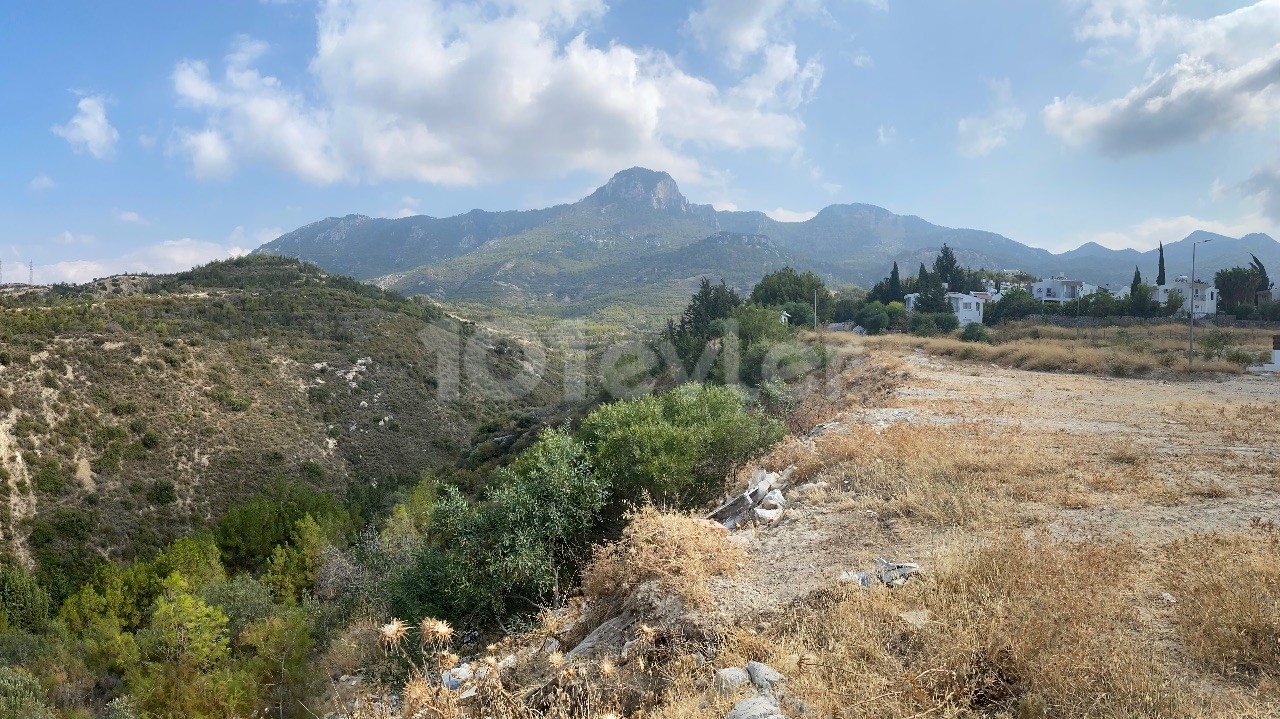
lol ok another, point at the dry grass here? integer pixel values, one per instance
(1116, 351)
(1228, 592)
(678, 551)
(1016, 627)
(959, 475)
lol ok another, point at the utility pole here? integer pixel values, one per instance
(1191, 313)
(31, 272)
(815, 310)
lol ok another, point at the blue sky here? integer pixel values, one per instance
(155, 135)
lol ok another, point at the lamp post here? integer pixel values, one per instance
(1191, 313)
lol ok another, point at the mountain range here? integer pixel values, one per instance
(637, 245)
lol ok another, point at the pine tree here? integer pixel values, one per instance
(933, 297)
(895, 285)
(1160, 273)
(947, 267)
(1137, 281)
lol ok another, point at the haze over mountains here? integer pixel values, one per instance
(639, 242)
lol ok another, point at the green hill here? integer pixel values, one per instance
(137, 409)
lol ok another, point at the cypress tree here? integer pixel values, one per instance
(1160, 274)
(1137, 281)
(895, 285)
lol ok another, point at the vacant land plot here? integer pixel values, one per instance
(1091, 546)
(1116, 351)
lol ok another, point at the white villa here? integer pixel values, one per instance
(967, 308)
(1059, 289)
(1200, 301)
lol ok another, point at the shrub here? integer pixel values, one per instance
(21, 696)
(946, 321)
(483, 561)
(677, 447)
(975, 332)
(922, 325)
(24, 603)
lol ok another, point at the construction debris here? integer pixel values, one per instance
(891, 574)
(763, 500)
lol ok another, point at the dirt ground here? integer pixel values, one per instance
(1146, 461)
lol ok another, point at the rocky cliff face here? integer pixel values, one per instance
(646, 188)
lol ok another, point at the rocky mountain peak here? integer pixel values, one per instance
(643, 187)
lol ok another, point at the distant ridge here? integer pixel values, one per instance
(637, 237)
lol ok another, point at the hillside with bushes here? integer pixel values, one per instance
(137, 410)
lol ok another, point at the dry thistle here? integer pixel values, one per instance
(392, 633)
(607, 668)
(647, 631)
(436, 629)
(555, 659)
(417, 693)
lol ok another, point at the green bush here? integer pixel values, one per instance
(492, 559)
(922, 325)
(676, 448)
(975, 332)
(162, 492)
(24, 603)
(21, 696)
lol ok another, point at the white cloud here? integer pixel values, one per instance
(460, 93)
(42, 182)
(89, 131)
(784, 215)
(863, 60)
(70, 238)
(739, 29)
(408, 207)
(1264, 186)
(251, 117)
(131, 216)
(240, 236)
(980, 135)
(165, 257)
(1218, 191)
(1207, 76)
(724, 205)
(1190, 101)
(885, 134)
(1149, 233)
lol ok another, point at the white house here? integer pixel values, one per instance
(967, 308)
(1200, 301)
(1059, 289)
(1271, 295)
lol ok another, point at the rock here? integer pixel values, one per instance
(729, 680)
(1168, 598)
(768, 516)
(756, 708)
(763, 675)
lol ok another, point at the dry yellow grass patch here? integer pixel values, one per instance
(1228, 610)
(963, 474)
(678, 551)
(1009, 627)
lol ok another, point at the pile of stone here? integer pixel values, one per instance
(766, 686)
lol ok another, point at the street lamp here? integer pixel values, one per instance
(1191, 314)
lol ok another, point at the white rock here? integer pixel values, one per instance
(756, 708)
(763, 675)
(728, 681)
(768, 516)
